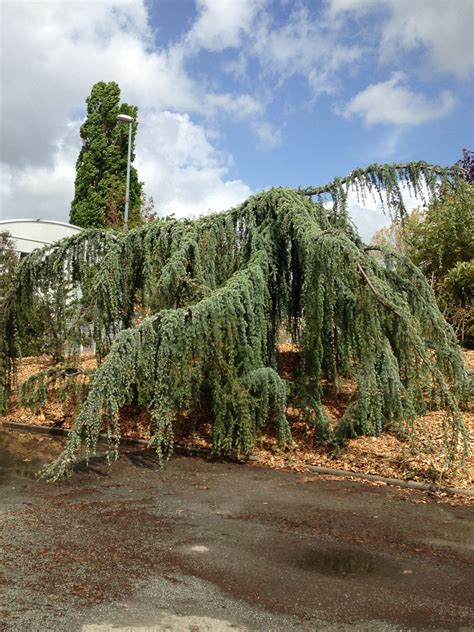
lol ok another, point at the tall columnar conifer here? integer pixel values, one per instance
(185, 314)
(99, 196)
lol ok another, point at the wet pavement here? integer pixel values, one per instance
(205, 545)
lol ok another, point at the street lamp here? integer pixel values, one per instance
(124, 118)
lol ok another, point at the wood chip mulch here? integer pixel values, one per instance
(388, 455)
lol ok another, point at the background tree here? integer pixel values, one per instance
(442, 245)
(147, 211)
(42, 332)
(445, 234)
(99, 196)
(398, 233)
(8, 263)
(467, 165)
(440, 240)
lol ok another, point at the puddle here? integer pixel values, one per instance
(199, 548)
(24, 453)
(343, 562)
(173, 623)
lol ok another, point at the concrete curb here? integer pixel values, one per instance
(317, 469)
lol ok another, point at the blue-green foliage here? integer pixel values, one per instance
(186, 312)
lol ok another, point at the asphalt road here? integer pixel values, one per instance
(210, 546)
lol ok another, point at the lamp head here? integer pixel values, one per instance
(124, 118)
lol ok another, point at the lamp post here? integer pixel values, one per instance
(124, 118)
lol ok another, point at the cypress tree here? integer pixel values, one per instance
(99, 196)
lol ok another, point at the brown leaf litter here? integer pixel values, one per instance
(390, 454)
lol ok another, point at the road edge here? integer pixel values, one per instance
(317, 469)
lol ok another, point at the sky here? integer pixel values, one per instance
(234, 96)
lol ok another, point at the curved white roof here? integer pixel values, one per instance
(42, 221)
(29, 234)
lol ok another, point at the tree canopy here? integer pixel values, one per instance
(185, 314)
(99, 195)
(444, 235)
(8, 262)
(440, 240)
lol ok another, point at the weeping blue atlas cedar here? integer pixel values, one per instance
(186, 313)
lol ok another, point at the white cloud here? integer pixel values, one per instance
(182, 171)
(368, 220)
(42, 191)
(186, 174)
(241, 106)
(268, 134)
(443, 29)
(222, 23)
(52, 54)
(304, 46)
(392, 102)
(237, 67)
(369, 215)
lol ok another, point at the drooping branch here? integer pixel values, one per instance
(66, 381)
(185, 313)
(386, 183)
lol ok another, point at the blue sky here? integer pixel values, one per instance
(234, 95)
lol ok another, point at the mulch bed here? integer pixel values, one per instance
(389, 455)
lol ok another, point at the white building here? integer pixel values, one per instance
(29, 234)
